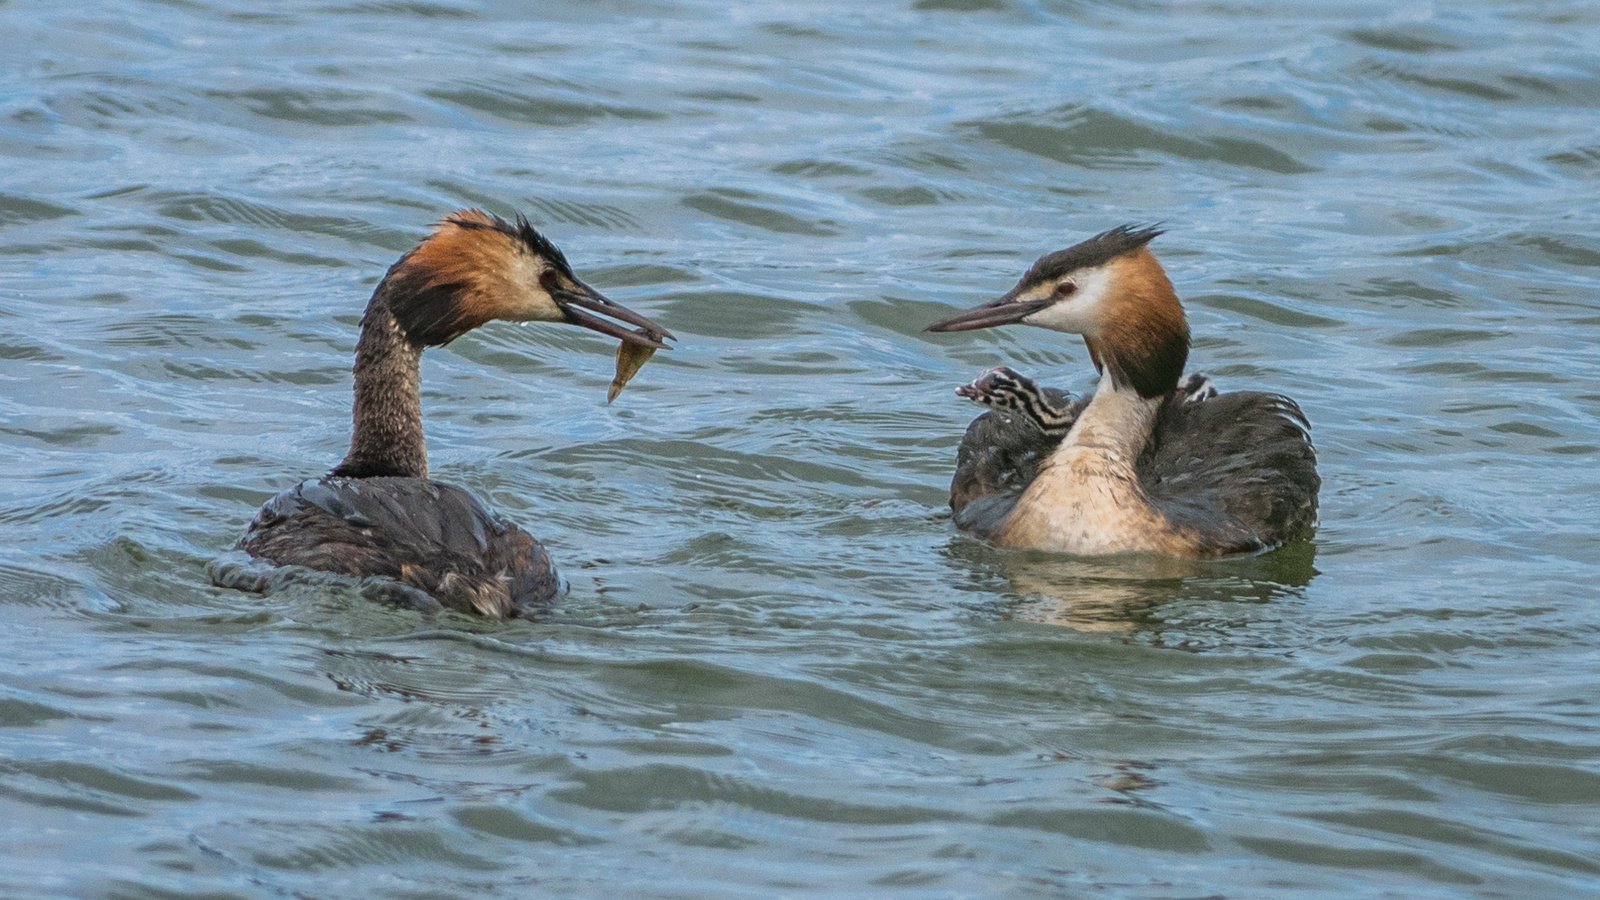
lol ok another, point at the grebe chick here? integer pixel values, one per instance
(378, 513)
(1149, 464)
(1051, 410)
(1048, 410)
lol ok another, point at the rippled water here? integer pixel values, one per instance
(779, 670)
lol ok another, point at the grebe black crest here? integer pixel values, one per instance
(377, 513)
(1154, 462)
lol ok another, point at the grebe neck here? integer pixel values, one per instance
(386, 438)
(1117, 423)
(1087, 498)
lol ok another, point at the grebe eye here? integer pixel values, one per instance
(1066, 288)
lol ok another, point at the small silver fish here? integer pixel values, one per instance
(630, 359)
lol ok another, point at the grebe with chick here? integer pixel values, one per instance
(1003, 449)
(378, 513)
(1153, 462)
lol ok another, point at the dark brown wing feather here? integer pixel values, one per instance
(999, 457)
(1239, 468)
(436, 537)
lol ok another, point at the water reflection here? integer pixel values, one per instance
(1123, 594)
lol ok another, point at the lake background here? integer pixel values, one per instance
(779, 670)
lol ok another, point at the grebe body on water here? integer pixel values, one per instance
(377, 513)
(1152, 462)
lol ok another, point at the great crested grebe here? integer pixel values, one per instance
(1146, 465)
(378, 513)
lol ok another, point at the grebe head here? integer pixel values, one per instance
(476, 267)
(1111, 290)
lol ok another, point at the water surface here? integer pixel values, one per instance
(779, 670)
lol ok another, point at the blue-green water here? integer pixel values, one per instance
(779, 671)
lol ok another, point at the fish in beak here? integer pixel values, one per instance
(581, 305)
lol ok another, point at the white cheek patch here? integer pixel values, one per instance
(533, 302)
(1079, 313)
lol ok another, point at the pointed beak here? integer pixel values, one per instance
(1004, 311)
(976, 388)
(979, 388)
(580, 306)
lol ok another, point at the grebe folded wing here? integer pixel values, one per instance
(434, 536)
(997, 460)
(1238, 468)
